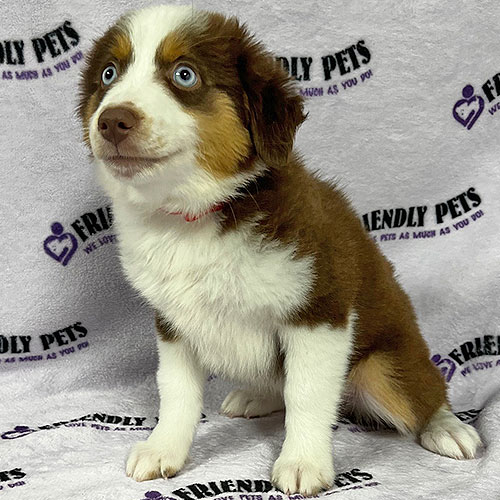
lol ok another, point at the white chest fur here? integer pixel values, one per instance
(225, 293)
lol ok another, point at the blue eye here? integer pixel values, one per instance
(109, 74)
(184, 76)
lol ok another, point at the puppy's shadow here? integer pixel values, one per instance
(227, 438)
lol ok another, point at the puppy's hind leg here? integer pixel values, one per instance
(408, 393)
(251, 403)
(446, 435)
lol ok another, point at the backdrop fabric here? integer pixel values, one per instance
(404, 112)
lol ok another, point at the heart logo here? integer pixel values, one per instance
(19, 431)
(447, 366)
(467, 110)
(60, 246)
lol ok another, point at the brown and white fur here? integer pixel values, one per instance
(275, 284)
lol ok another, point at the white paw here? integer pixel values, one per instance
(242, 403)
(447, 435)
(305, 476)
(150, 461)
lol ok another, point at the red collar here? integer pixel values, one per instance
(191, 218)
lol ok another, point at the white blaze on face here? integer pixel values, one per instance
(166, 127)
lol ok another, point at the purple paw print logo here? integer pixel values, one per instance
(467, 110)
(59, 245)
(447, 366)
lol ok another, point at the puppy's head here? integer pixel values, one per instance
(171, 97)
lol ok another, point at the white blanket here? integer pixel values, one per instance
(402, 101)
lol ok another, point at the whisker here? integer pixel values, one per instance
(250, 194)
(234, 216)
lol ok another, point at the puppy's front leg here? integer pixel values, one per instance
(316, 360)
(180, 382)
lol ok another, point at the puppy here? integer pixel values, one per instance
(258, 270)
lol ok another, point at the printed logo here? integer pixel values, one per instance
(41, 50)
(96, 421)
(467, 110)
(11, 475)
(464, 359)
(468, 416)
(443, 213)
(446, 366)
(54, 345)
(331, 68)
(62, 246)
(99, 421)
(258, 489)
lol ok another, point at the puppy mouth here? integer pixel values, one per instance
(128, 166)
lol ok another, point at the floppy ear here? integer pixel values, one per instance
(274, 106)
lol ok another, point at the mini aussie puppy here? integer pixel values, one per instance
(257, 269)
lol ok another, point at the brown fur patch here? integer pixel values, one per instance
(113, 47)
(165, 329)
(224, 141)
(121, 47)
(173, 46)
(86, 114)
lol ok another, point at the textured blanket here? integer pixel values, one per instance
(404, 112)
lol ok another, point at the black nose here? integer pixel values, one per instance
(115, 123)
